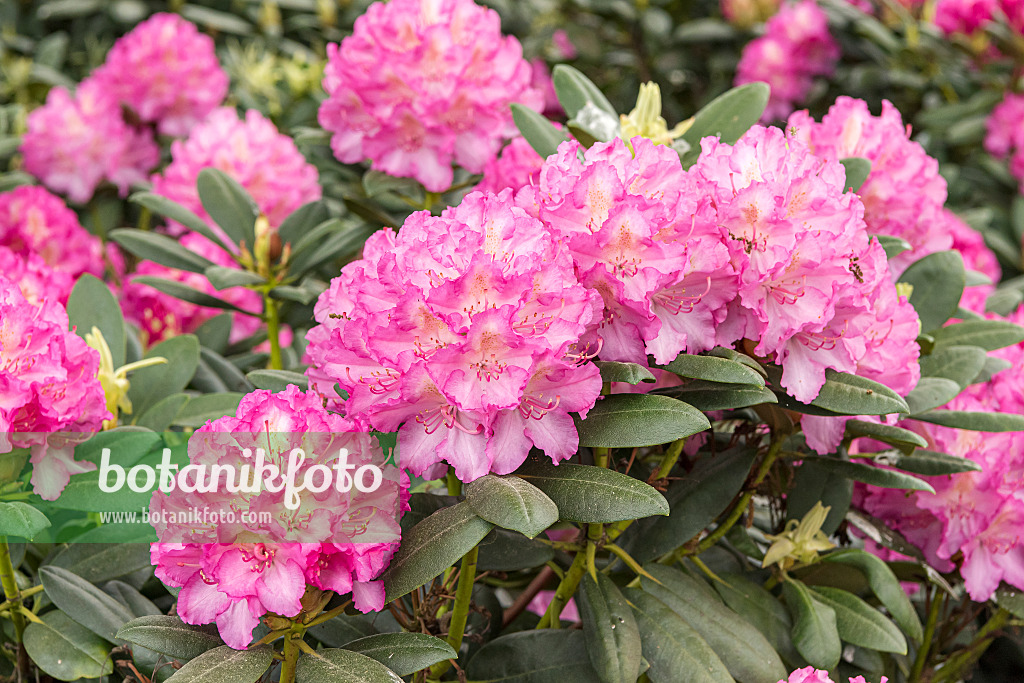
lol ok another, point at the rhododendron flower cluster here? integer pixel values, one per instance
(167, 72)
(48, 388)
(422, 83)
(160, 316)
(459, 332)
(38, 281)
(234, 574)
(963, 16)
(1005, 133)
(252, 151)
(809, 674)
(795, 48)
(74, 143)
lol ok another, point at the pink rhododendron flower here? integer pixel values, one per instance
(563, 45)
(904, 194)
(161, 316)
(977, 257)
(963, 16)
(233, 574)
(48, 388)
(1005, 133)
(516, 166)
(167, 72)
(38, 282)
(459, 332)
(540, 603)
(421, 84)
(809, 674)
(251, 150)
(1014, 11)
(75, 143)
(795, 48)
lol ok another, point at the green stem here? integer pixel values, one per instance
(291, 656)
(938, 600)
(460, 612)
(453, 483)
(570, 582)
(671, 457)
(270, 310)
(9, 582)
(601, 456)
(956, 665)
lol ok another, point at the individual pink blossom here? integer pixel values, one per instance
(460, 332)
(903, 194)
(811, 675)
(796, 48)
(963, 16)
(563, 45)
(74, 143)
(38, 281)
(252, 151)
(167, 72)
(49, 390)
(542, 600)
(422, 84)
(160, 316)
(516, 166)
(233, 574)
(1005, 133)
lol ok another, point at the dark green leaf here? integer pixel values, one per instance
(92, 304)
(631, 373)
(761, 609)
(336, 242)
(728, 116)
(433, 545)
(857, 171)
(176, 212)
(859, 623)
(186, 293)
(222, 277)
(65, 650)
(931, 392)
(289, 293)
(170, 636)
(343, 629)
(511, 503)
(229, 205)
(574, 91)
(714, 369)
(205, 407)
(370, 212)
(848, 394)
(545, 656)
(885, 586)
(301, 221)
(225, 665)
(151, 384)
(378, 182)
(870, 474)
(890, 434)
(161, 415)
(277, 380)
(542, 135)
(674, 649)
(707, 396)
(229, 376)
(97, 562)
(612, 637)
(84, 602)
(630, 420)
(938, 280)
(584, 493)
(814, 482)
(503, 551)
(993, 366)
(160, 249)
(928, 463)
(980, 422)
(403, 653)
(815, 632)
(958, 363)
(22, 520)
(893, 246)
(987, 334)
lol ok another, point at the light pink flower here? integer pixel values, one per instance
(252, 151)
(48, 388)
(516, 166)
(75, 143)
(38, 282)
(421, 84)
(167, 72)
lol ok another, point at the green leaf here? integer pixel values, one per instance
(223, 277)
(728, 116)
(979, 422)
(543, 136)
(890, 434)
(674, 649)
(815, 632)
(1011, 599)
(612, 636)
(746, 653)
(938, 280)
(612, 371)
(884, 585)
(176, 212)
(218, 369)
(92, 304)
(205, 407)
(343, 629)
(860, 624)
(574, 91)
(893, 246)
(229, 205)
(707, 396)
(378, 182)
(987, 334)
(98, 562)
(511, 503)
(857, 171)
(84, 602)
(22, 520)
(190, 294)
(584, 493)
(151, 384)
(65, 650)
(993, 366)
(301, 221)
(931, 392)
(277, 380)
(958, 363)
(695, 499)
(326, 242)
(761, 609)
(504, 551)
(714, 369)
(170, 636)
(403, 653)
(631, 420)
(370, 212)
(814, 482)
(848, 394)
(215, 333)
(433, 545)
(225, 665)
(160, 249)
(870, 474)
(928, 463)
(545, 656)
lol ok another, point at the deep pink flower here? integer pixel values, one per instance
(963, 16)
(38, 282)
(75, 143)
(48, 388)
(459, 332)
(252, 151)
(809, 674)
(419, 85)
(1005, 132)
(516, 166)
(167, 72)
